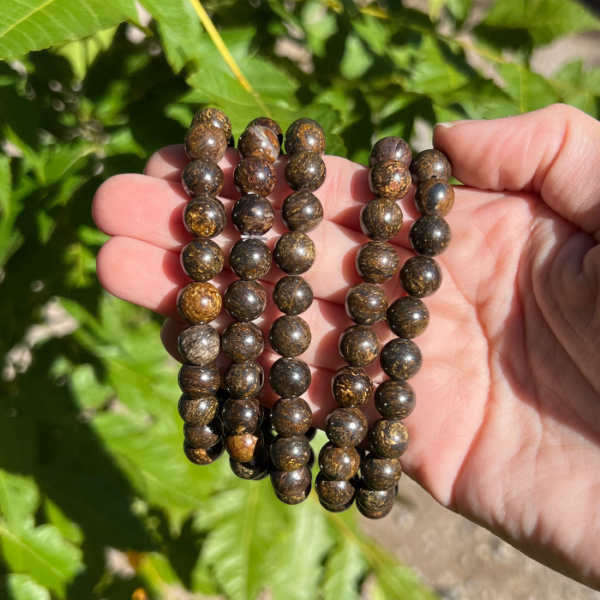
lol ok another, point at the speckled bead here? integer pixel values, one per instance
(205, 217)
(291, 417)
(377, 262)
(305, 171)
(199, 382)
(408, 317)
(420, 276)
(381, 219)
(346, 427)
(201, 456)
(290, 377)
(366, 303)
(292, 295)
(334, 493)
(205, 140)
(259, 141)
(215, 117)
(254, 175)
(391, 148)
(375, 515)
(245, 300)
(374, 500)
(198, 345)
(241, 416)
(359, 346)
(304, 135)
(302, 211)
(434, 197)
(197, 411)
(291, 483)
(401, 359)
(336, 509)
(390, 178)
(294, 253)
(202, 259)
(203, 436)
(199, 302)
(430, 235)
(431, 164)
(380, 473)
(269, 124)
(291, 453)
(253, 215)
(295, 499)
(352, 387)
(338, 464)
(290, 336)
(388, 439)
(202, 177)
(395, 400)
(250, 259)
(255, 469)
(245, 447)
(242, 342)
(244, 380)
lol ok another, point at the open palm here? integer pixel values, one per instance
(507, 425)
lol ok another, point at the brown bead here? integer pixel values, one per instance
(202, 260)
(245, 447)
(334, 493)
(391, 148)
(204, 140)
(199, 302)
(215, 117)
(366, 303)
(294, 253)
(201, 456)
(431, 164)
(408, 317)
(291, 417)
(380, 473)
(255, 469)
(390, 178)
(434, 197)
(290, 336)
(359, 346)
(295, 499)
(254, 175)
(338, 464)
(374, 500)
(346, 427)
(305, 171)
(336, 509)
(381, 219)
(205, 217)
(291, 453)
(377, 262)
(430, 235)
(311, 433)
(374, 515)
(244, 380)
(388, 439)
(198, 345)
(291, 483)
(304, 135)
(197, 411)
(420, 276)
(352, 387)
(241, 416)
(202, 177)
(395, 400)
(401, 359)
(292, 295)
(242, 342)
(253, 215)
(203, 436)
(269, 124)
(250, 259)
(290, 377)
(259, 141)
(245, 300)
(302, 211)
(199, 382)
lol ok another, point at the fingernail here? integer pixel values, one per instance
(450, 124)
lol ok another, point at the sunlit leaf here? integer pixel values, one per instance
(23, 587)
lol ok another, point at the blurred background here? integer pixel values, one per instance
(96, 497)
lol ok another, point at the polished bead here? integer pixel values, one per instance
(290, 336)
(346, 427)
(250, 259)
(391, 148)
(253, 215)
(259, 141)
(338, 464)
(305, 171)
(295, 499)
(352, 387)
(292, 295)
(198, 344)
(430, 235)
(395, 400)
(334, 493)
(291, 483)
(201, 456)
(377, 262)
(311, 433)
(291, 453)
(205, 140)
(381, 219)
(291, 417)
(366, 303)
(374, 515)
(241, 416)
(401, 359)
(203, 436)
(304, 135)
(244, 380)
(199, 382)
(390, 178)
(254, 175)
(302, 211)
(242, 342)
(420, 276)
(202, 259)
(431, 164)
(359, 346)
(289, 377)
(336, 509)
(254, 469)
(388, 439)
(294, 253)
(215, 117)
(380, 473)
(374, 500)
(269, 124)
(311, 459)
(202, 177)
(434, 197)
(205, 217)
(244, 447)
(245, 300)
(197, 411)
(199, 302)
(408, 317)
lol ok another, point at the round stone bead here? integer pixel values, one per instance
(291, 417)
(242, 342)
(250, 259)
(304, 135)
(388, 439)
(395, 400)
(244, 447)
(352, 387)
(336, 509)
(346, 427)
(334, 493)
(381, 219)
(338, 464)
(254, 469)
(401, 359)
(295, 499)
(241, 416)
(374, 500)
(302, 211)
(366, 303)
(391, 148)
(292, 295)
(202, 259)
(420, 276)
(259, 141)
(202, 177)
(430, 235)
(205, 217)
(359, 346)
(199, 302)
(431, 164)
(289, 377)
(294, 253)
(199, 382)
(269, 124)
(375, 515)
(434, 197)
(377, 262)
(205, 140)
(253, 215)
(291, 483)
(305, 171)
(203, 436)
(215, 117)
(380, 473)
(408, 317)
(198, 345)
(290, 336)
(201, 456)
(291, 453)
(390, 178)
(245, 300)
(198, 411)
(254, 175)
(244, 380)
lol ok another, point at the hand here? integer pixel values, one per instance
(507, 425)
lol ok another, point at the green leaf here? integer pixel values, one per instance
(434, 7)
(356, 60)
(23, 587)
(19, 499)
(529, 90)
(578, 88)
(82, 53)
(460, 9)
(344, 569)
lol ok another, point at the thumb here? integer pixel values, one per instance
(554, 152)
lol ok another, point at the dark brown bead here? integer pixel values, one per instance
(198, 345)
(253, 215)
(201, 456)
(374, 515)
(395, 400)
(305, 171)
(346, 427)
(244, 447)
(311, 433)
(215, 117)
(388, 439)
(359, 346)
(254, 175)
(270, 124)
(199, 302)
(302, 211)
(390, 178)
(294, 253)
(202, 177)
(244, 380)
(374, 500)
(241, 416)
(338, 464)
(292, 295)
(245, 300)
(290, 336)
(377, 262)
(250, 259)
(198, 411)
(366, 303)
(352, 387)
(293, 500)
(203, 436)
(289, 377)
(408, 317)
(291, 417)
(311, 459)
(431, 164)
(205, 140)
(381, 219)
(291, 483)
(434, 197)
(336, 509)
(202, 260)
(334, 493)
(254, 469)
(259, 141)
(242, 342)
(401, 359)
(205, 217)
(199, 382)
(304, 135)
(291, 453)
(420, 276)
(430, 235)
(380, 473)
(391, 148)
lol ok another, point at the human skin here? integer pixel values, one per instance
(506, 430)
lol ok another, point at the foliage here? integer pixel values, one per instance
(90, 439)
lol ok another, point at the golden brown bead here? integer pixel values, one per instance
(202, 260)
(334, 493)
(291, 453)
(204, 140)
(242, 342)
(420, 276)
(304, 135)
(255, 469)
(290, 377)
(391, 148)
(291, 483)
(245, 300)
(359, 346)
(253, 215)
(434, 197)
(292, 295)
(366, 303)
(374, 500)
(205, 217)
(202, 177)
(401, 359)
(199, 382)
(408, 317)
(381, 219)
(291, 417)
(395, 400)
(302, 211)
(346, 427)
(250, 259)
(290, 336)
(254, 175)
(430, 235)
(244, 380)
(338, 464)
(431, 164)
(241, 416)
(198, 344)
(259, 141)
(215, 117)
(269, 124)
(197, 411)
(199, 302)
(200, 456)
(352, 387)
(294, 253)
(245, 447)
(380, 473)
(369, 514)
(388, 439)
(377, 262)
(305, 171)
(203, 436)
(295, 499)
(390, 178)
